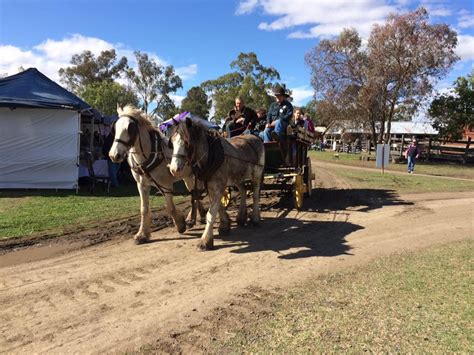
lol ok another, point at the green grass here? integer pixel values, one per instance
(408, 303)
(438, 169)
(27, 213)
(400, 183)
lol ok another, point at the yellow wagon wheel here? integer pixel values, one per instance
(299, 189)
(226, 197)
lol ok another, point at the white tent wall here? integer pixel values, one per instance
(39, 148)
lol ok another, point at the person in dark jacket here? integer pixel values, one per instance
(259, 126)
(278, 117)
(411, 154)
(245, 118)
(113, 168)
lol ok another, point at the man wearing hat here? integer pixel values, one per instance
(278, 116)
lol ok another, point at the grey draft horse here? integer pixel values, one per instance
(243, 160)
(148, 156)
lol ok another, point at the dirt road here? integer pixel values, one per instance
(116, 296)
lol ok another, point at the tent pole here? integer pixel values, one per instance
(91, 140)
(78, 159)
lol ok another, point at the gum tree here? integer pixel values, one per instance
(388, 75)
(249, 79)
(453, 112)
(153, 83)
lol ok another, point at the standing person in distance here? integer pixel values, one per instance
(113, 168)
(411, 154)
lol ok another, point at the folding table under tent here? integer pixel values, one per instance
(39, 132)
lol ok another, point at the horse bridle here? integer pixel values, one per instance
(133, 134)
(187, 157)
(132, 131)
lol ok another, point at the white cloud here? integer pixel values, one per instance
(465, 48)
(246, 7)
(51, 55)
(13, 57)
(466, 19)
(301, 95)
(63, 50)
(187, 72)
(177, 99)
(327, 17)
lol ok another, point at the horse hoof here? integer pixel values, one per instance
(203, 246)
(181, 229)
(140, 240)
(190, 223)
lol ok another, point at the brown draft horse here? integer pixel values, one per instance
(242, 159)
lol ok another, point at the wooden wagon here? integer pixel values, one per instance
(287, 167)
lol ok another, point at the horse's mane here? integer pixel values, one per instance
(139, 115)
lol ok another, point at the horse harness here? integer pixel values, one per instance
(215, 158)
(155, 158)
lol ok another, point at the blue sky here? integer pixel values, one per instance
(200, 38)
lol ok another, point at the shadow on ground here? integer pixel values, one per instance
(303, 235)
(327, 200)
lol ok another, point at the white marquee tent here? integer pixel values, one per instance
(39, 133)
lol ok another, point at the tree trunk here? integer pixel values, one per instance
(389, 121)
(382, 131)
(402, 146)
(429, 148)
(374, 131)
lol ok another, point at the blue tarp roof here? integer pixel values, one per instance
(31, 88)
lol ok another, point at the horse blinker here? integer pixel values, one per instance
(132, 131)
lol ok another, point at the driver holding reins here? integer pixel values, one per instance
(244, 118)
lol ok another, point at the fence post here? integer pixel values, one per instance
(429, 150)
(402, 146)
(466, 151)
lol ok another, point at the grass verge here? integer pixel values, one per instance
(27, 213)
(399, 182)
(407, 303)
(437, 169)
